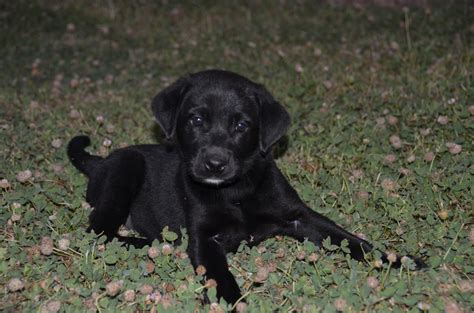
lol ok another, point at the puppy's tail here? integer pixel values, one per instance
(82, 160)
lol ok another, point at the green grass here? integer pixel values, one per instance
(359, 66)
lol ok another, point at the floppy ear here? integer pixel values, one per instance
(274, 119)
(166, 106)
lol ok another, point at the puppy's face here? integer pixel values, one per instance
(222, 122)
(217, 131)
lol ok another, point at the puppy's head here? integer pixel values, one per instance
(222, 121)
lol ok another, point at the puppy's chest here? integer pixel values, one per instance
(232, 222)
(230, 211)
(230, 201)
(227, 211)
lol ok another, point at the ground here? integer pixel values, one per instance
(381, 141)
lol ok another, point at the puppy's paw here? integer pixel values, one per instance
(409, 261)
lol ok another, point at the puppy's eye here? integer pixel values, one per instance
(197, 121)
(241, 127)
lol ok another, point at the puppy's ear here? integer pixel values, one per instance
(274, 119)
(166, 105)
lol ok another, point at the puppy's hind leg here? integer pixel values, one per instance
(317, 227)
(112, 190)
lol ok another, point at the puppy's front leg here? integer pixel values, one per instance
(208, 252)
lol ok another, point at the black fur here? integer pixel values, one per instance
(218, 181)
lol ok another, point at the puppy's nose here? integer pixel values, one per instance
(215, 164)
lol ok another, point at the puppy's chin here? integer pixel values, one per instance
(215, 181)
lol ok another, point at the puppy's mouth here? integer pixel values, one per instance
(213, 181)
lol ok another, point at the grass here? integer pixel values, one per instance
(351, 79)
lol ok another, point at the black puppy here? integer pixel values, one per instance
(219, 181)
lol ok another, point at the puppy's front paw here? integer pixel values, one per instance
(397, 261)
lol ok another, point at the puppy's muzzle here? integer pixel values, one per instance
(216, 164)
